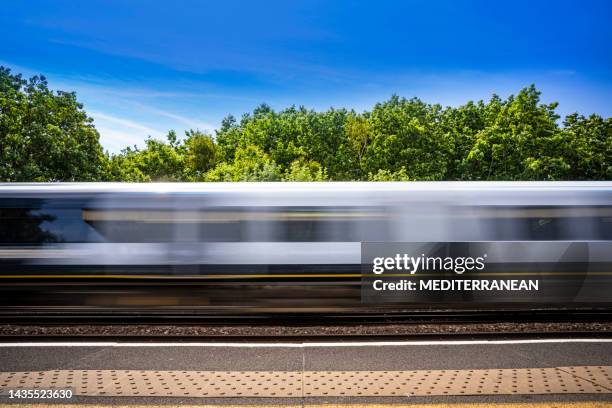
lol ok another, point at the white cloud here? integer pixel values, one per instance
(126, 123)
(117, 133)
(192, 123)
(115, 140)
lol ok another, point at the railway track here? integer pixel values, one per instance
(75, 315)
(237, 333)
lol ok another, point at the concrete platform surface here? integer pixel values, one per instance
(548, 371)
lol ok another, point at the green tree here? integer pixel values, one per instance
(187, 159)
(250, 164)
(289, 135)
(158, 161)
(358, 132)
(45, 135)
(200, 153)
(405, 134)
(123, 166)
(323, 139)
(521, 141)
(386, 175)
(305, 170)
(459, 127)
(589, 147)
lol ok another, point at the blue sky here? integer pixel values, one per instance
(144, 67)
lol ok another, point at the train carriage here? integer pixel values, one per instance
(235, 248)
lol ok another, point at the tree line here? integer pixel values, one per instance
(48, 136)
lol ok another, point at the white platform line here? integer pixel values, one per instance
(301, 344)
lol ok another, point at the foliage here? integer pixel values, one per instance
(250, 164)
(405, 136)
(521, 141)
(175, 160)
(588, 147)
(387, 175)
(46, 136)
(159, 161)
(200, 152)
(305, 170)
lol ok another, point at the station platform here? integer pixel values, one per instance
(570, 371)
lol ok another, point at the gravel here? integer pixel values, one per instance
(356, 330)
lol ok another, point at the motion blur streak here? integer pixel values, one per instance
(235, 248)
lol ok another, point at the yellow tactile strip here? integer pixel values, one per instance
(290, 384)
(449, 382)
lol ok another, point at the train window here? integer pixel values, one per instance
(315, 224)
(221, 231)
(283, 224)
(25, 226)
(44, 221)
(543, 229)
(166, 224)
(127, 231)
(543, 224)
(604, 225)
(568, 223)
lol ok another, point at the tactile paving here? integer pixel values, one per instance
(288, 384)
(132, 383)
(601, 375)
(446, 382)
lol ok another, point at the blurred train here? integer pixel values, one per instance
(236, 248)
